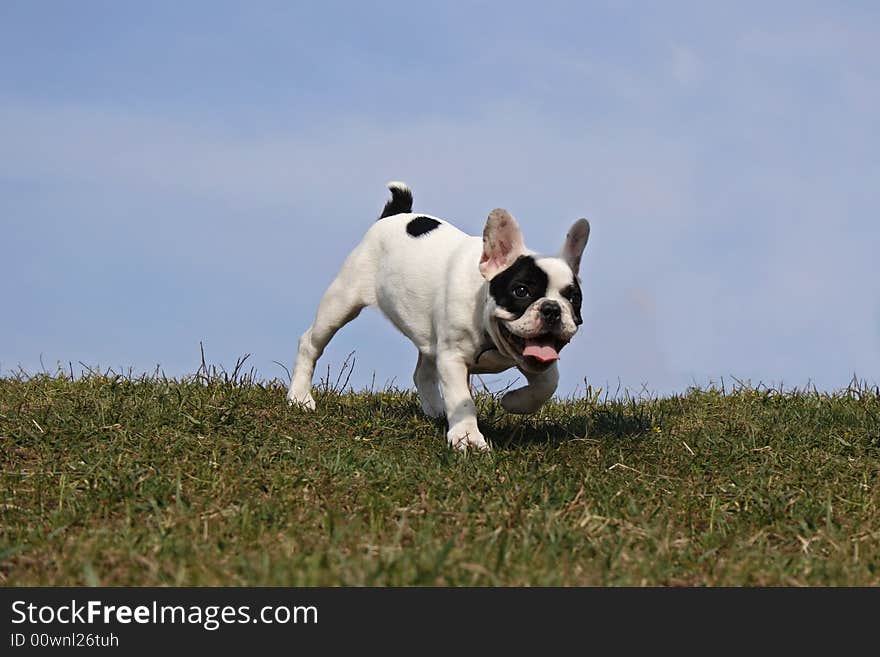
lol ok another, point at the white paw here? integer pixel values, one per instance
(301, 400)
(463, 437)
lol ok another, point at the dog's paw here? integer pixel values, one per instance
(521, 402)
(465, 437)
(301, 400)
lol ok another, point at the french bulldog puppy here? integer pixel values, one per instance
(470, 305)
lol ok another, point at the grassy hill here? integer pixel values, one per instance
(214, 480)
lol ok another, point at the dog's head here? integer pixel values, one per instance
(534, 302)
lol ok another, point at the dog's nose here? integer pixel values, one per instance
(551, 312)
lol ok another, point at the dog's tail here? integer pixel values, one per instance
(401, 200)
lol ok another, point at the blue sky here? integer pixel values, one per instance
(180, 172)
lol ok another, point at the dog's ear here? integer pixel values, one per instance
(575, 241)
(502, 243)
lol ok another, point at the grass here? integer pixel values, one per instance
(213, 480)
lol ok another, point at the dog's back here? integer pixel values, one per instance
(403, 254)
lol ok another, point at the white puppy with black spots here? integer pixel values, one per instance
(470, 306)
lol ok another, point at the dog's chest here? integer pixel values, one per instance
(490, 361)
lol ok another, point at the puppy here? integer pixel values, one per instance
(470, 306)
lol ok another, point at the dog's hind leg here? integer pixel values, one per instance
(425, 378)
(341, 303)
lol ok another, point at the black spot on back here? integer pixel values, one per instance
(573, 294)
(421, 225)
(524, 272)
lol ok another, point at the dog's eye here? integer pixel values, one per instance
(573, 296)
(521, 291)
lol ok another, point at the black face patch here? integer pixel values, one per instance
(573, 294)
(421, 225)
(519, 286)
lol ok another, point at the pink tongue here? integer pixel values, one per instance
(543, 352)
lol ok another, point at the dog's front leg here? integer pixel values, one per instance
(461, 413)
(531, 397)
